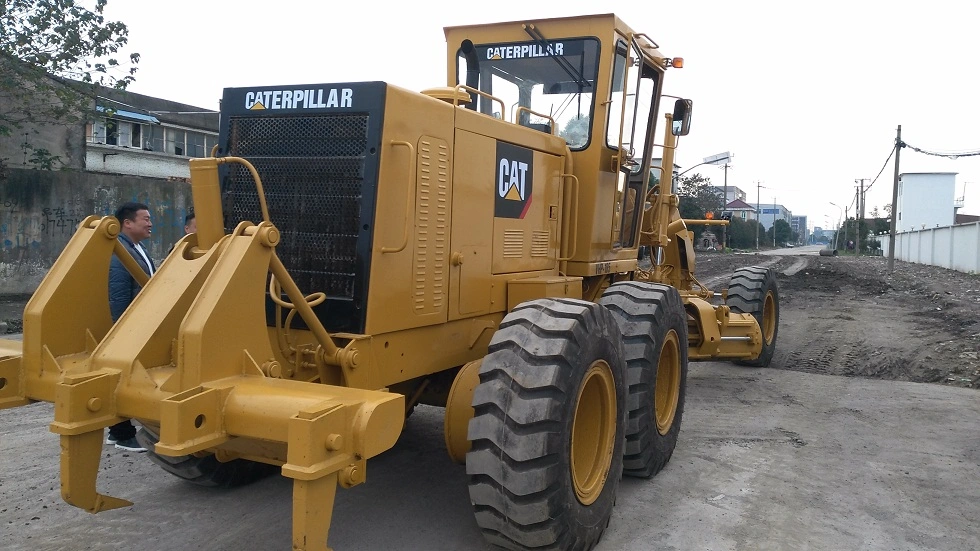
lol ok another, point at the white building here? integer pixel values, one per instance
(146, 136)
(926, 200)
(742, 210)
(655, 164)
(769, 213)
(734, 193)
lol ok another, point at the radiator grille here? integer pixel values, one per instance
(312, 169)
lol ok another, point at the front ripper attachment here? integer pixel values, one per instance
(80, 420)
(193, 357)
(79, 469)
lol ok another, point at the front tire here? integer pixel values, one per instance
(753, 290)
(205, 470)
(653, 322)
(547, 434)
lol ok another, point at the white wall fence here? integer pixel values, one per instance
(954, 247)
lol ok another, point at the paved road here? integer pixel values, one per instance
(767, 459)
(807, 250)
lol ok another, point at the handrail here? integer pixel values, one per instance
(644, 35)
(503, 108)
(521, 108)
(618, 159)
(705, 222)
(573, 225)
(408, 198)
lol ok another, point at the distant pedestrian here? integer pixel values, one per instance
(136, 227)
(190, 224)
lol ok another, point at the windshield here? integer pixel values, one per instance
(554, 78)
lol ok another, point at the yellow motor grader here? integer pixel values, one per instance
(363, 249)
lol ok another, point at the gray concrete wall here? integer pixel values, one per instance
(67, 142)
(40, 211)
(954, 247)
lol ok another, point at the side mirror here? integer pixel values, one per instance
(681, 121)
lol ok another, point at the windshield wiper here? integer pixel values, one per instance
(573, 73)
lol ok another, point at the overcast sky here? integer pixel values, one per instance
(806, 95)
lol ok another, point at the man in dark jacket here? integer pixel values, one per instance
(136, 226)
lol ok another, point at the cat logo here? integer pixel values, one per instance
(514, 181)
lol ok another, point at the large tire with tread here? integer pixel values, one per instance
(547, 434)
(653, 322)
(753, 290)
(205, 470)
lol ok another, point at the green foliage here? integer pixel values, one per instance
(42, 159)
(697, 189)
(878, 226)
(869, 227)
(697, 198)
(741, 233)
(576, 131)
(54, 54)
(654, 180)
(784, 234)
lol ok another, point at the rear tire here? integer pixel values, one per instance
(547, 434)
(753, 290)
(205, 470)
(653, 322)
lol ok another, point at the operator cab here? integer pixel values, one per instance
(590, 80)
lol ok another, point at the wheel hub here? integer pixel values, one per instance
(668, 382)
(593, 432)
(769, 318)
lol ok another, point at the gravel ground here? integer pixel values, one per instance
(819, 451)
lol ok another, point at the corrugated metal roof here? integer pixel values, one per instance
(131, 115)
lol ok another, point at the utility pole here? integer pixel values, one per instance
(758, 213)
(845, 226)
(857, 232)
(724, 205)
(891, 240)
(860, 211)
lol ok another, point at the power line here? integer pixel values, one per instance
(890, 153)
(924, 152)
(946, 155)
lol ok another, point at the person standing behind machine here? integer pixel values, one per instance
(190, 226)
(136, 226)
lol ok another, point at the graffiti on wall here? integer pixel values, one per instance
(23, 231)
(41, 211)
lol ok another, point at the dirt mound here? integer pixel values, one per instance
(851, 317)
